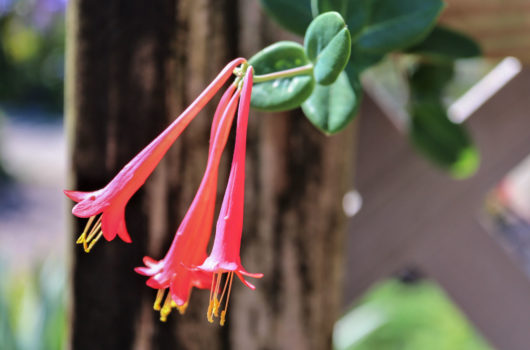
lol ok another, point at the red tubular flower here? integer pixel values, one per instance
(225, 257)
(189, 245)
(110, 201)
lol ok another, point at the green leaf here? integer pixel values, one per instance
(284, 93)
(445, 143)
(396, 25)
(429, 80)
(355, 13)
(362, 60)
(445, 44)
(328, 44)
(331, 107)
(293, 15)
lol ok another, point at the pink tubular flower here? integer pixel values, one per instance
(110, 201)
(189, 245)
(225, 257)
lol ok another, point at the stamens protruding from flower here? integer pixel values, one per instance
(169, 304)
(91, 234)
(158, 301)
(166, 308)
(216, 300)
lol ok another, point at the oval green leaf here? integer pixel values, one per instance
(328, 45)
(396, 25)
(446, 44)
(355, 13)
(284, 93)
(331, 107)
(445, 143)
(293, 15)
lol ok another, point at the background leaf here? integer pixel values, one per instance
(446, 44)
(429, 80)
(330, 108)
(293, 15)
(328, 44)
(396, 25)
(447, 144)
(285, 93)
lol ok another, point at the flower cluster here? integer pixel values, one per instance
(186, 264)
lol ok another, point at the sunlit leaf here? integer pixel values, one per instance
(328, 44)
(330, 108)
(285, 93)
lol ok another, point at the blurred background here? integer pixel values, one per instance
(397, 308)
(32, 174)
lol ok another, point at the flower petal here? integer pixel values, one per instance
(78, 196)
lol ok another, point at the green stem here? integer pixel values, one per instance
(302, 70)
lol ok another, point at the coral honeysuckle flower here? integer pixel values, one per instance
(105, 208)
(189, 245)
(225, 257)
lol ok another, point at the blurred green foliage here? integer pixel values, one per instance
(32, 53)
(32, 307)
(399, 316)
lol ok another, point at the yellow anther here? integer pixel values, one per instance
(164, 313)
(94, 241)
(158, 301)
(81, 238)
(223, 318)
(166, 308)
(91, 234)
(217, 297)
(209, 314)
(215, 306)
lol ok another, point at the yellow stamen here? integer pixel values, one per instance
(94, 241)
(82, 236)
(223, 314)
(209, 314)
(91, 234)
(95, 230)
(215, 300)
(158, 300)
(215, 307)
(224, 289)
(223, 318)
(166, 308)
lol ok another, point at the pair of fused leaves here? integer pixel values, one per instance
(376, 27)
(319, 64)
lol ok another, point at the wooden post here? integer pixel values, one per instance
(133, 66)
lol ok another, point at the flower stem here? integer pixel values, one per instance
(302, 70)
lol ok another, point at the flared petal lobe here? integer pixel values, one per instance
(191, 239)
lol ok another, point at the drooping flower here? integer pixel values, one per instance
(225, 257)
(191, 239)
(110, 201)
